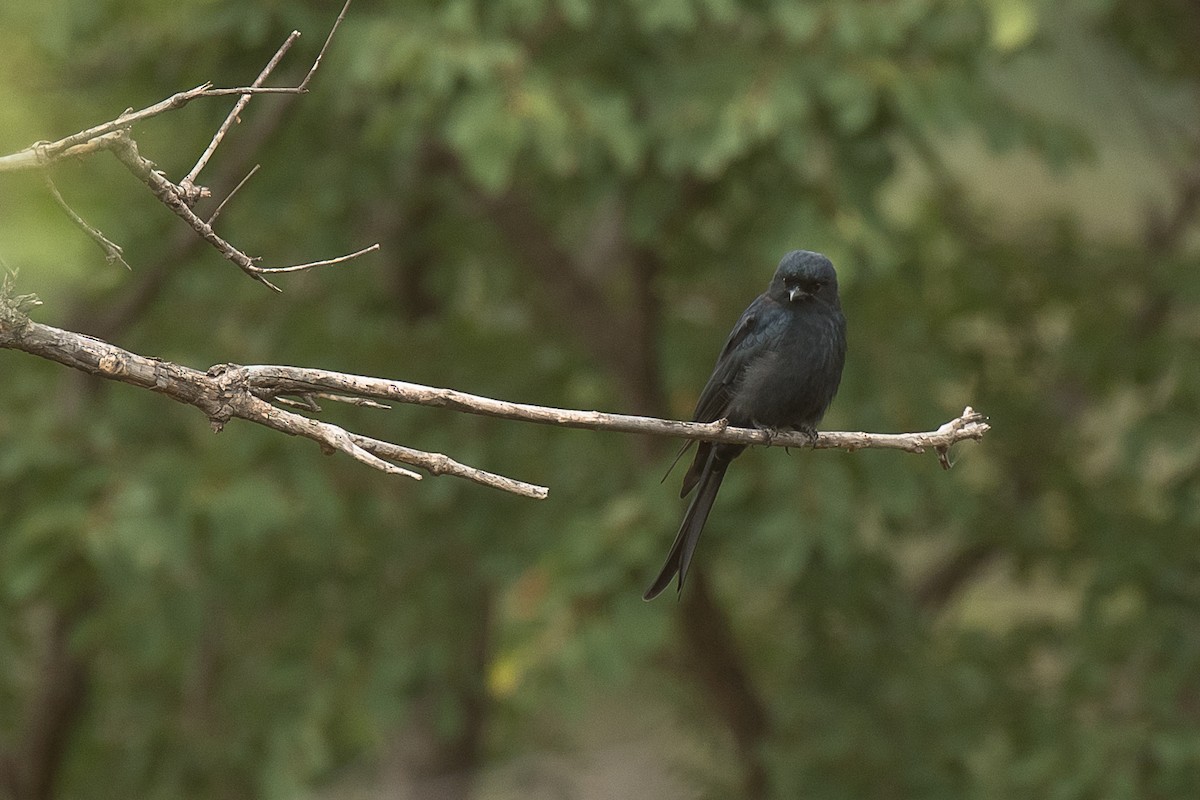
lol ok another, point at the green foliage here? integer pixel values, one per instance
(254, 619)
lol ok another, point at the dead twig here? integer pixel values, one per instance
(42, 154)
(317, 61)
(177, 200)
(112, 251)
(221, 206)
(325, 263)
(233, 116)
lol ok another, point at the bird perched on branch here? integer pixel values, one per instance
(779, 370)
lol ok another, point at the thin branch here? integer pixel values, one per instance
(227, 392)
(170, 195)
(112, 250)
(308, 402)
(175, 198)
(327, 262)
(439, 464)
(108, 317)
(331, 436)
(354, 401)
(232, 117)
(227, 91)
(34, 156)
(43, 153)
(221, 206)
(317, 62)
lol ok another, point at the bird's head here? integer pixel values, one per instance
(802, 276)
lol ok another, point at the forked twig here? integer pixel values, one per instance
(232, 117)
(317, 61)
(180, 197)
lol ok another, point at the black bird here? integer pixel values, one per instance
(779, 370)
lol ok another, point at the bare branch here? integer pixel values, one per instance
(270, 380)
(309, 401)
(354, 401)
(317, 62)
(175, 198)
(109, 316)
(172, 196)
(180, 197)
(439, 464)
(327, 262)
(228, 391)
(332, 437)
(222, 394)
(35, 156)
(112, 251)
(44, 153)
(190, 179)
(221, 206)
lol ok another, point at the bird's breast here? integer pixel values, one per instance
(796, 376)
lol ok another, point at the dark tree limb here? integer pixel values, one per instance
(713, 657)
(28, 769)
(946, 580)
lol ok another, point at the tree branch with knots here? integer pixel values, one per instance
(258, 393)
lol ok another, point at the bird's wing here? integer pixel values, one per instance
(742, 344)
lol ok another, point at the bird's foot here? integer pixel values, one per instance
(767, 430)
(771, 432)
(809, 433)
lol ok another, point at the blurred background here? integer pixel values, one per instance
(575, 200)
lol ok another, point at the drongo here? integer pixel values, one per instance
(779, 370)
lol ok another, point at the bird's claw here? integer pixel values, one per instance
(767, 431)
(809, 433)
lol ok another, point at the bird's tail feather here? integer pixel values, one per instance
(680, 555)
(675, 460)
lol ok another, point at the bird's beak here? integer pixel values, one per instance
(795, 293)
